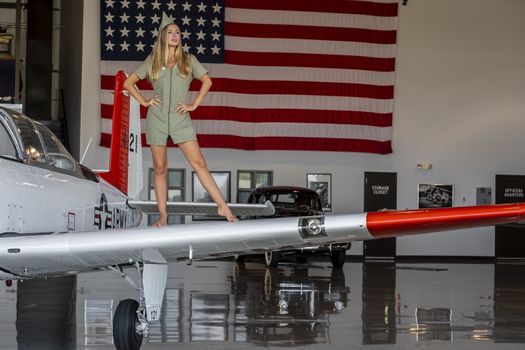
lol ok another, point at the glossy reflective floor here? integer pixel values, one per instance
(223, 305)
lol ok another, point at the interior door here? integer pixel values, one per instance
(510, 239)
(380, 193)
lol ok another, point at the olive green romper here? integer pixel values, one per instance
(172, 88)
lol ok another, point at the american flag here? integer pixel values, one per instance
(287, 74)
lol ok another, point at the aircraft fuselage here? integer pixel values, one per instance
(35, 200)
(43, 189)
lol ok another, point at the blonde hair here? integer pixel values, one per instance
(159, 57)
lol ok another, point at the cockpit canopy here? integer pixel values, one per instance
(33, 143)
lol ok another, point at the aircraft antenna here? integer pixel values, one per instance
(85, 151)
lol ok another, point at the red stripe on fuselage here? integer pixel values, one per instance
(408, 222)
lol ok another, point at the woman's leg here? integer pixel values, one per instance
(193, 154)
(160, 169)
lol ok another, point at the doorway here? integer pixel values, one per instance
(380, 193)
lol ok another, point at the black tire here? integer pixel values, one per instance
(124, 326)
(338, 258)
(272, 258)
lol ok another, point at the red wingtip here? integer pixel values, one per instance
(408, 222)
(118, 158)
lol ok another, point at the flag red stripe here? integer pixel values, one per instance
(294, 143)
(278, 115)
(291, 116)
(350, 7)
(275, 87)
(282, 143)
(307, 60)
(309, 32)
(106, 81)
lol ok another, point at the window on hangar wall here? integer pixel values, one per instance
(176, 193)
(248, 180)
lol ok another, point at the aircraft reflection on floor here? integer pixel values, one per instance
(379, 303)
(509, 305)
(227, 304)
(483, 303)
(46, 317)
(434, 323)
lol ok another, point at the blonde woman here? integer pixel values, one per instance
(171, 70)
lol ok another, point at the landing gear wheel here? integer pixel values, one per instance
(125, 324)
(338, 258)
(272, 258)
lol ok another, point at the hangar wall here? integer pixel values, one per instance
(459, 104)
(71, 69)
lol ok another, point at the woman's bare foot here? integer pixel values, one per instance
(225, 211)
(163, 220)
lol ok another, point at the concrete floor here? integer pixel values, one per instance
(224, 305)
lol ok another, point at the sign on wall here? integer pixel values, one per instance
(510, 188)
(380, 191)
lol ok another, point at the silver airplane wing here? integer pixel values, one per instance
(65, 253)
(73, 252)
(205, 208)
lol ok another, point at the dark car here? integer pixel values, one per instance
(296, 201)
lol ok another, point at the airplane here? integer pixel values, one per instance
(55, 214)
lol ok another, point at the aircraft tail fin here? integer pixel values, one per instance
(125, 159)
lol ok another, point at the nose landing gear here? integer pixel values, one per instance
(127, 333)
(130, 322)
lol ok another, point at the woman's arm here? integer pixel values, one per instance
(205, 87)
(129, 84)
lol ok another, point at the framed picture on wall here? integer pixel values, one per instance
(199, 194)
(435, 195)
(322, 184)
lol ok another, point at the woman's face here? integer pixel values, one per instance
(173, 35)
